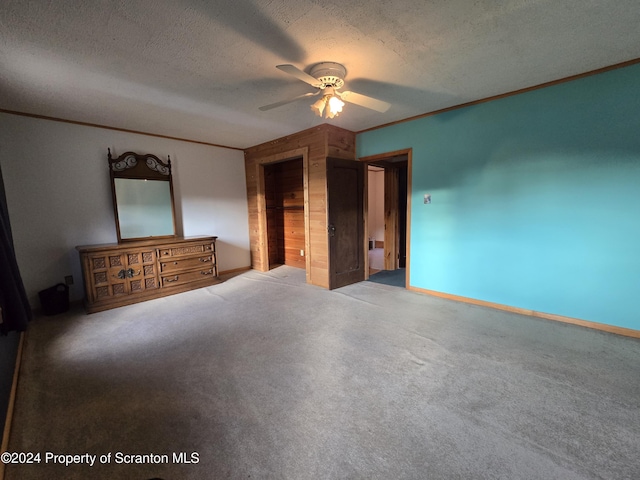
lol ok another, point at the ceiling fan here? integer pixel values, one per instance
(327, 78)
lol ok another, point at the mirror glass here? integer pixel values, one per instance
(144, 207)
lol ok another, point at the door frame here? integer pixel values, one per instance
(263, 238)
(372, 159)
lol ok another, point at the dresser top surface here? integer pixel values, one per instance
(144, 243)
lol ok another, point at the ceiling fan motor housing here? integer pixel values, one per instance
(330, 74)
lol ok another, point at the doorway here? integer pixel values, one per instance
(285, 216)
(388, 207)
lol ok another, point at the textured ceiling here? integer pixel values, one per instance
(199, 69)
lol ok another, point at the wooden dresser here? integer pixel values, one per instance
(124, 273)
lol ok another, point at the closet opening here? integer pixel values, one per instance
(284, 206)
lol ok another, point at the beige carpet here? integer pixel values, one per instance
(265, 377)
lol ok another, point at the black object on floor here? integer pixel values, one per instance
(55, 300)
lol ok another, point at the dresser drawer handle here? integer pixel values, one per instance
(129, 273)
(169, 280)
(122, 274)
(206, 272)
(205, 259)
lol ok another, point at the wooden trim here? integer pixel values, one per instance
(508, 94)
(307, 218)
(627, 332)
(365, 222)
(117, 129)
(283, 156)
(235, 270)
(383, 156)
(408, 233)
(12, 401)
(263, 239)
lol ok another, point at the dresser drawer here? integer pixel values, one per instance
(183, 250)
(173, 265)
(169, 280)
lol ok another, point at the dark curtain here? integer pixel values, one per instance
(16, 311)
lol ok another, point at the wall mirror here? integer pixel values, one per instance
(142, 191)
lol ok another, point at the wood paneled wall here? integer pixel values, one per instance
(313, 146)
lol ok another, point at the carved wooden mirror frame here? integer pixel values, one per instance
(143, 206)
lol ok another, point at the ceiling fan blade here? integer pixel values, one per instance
(299, 74)
(284, 102)
(364, 101)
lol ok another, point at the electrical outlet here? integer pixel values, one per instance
(68, 280)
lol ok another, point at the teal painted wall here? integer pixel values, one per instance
(535, 198)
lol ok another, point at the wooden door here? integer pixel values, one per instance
(395, 215)
(345, 186)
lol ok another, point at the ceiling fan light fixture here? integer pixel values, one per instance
(335, 106)
(318, 107)
(329, 105)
